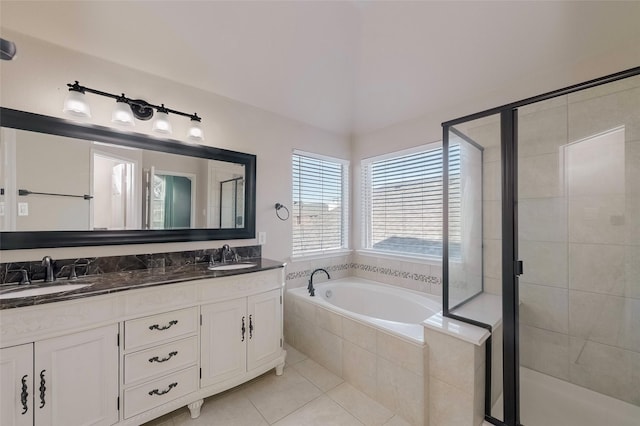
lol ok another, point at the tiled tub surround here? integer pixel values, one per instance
(413, 275)
(385, 367)
(392, 369)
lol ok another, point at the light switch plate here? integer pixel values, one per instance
(1, 208)
(262, 238)
(23, 209)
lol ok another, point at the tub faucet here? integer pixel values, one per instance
(47, 262)
(312, 291)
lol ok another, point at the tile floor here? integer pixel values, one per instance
(306, 394)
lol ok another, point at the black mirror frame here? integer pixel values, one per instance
(16, 119)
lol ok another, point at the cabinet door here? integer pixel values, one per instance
(224, 333)
(265, 328)
(16, 385)
(77, 379)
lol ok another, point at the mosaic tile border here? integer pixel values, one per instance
(429, 279)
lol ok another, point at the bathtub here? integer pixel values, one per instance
(394, 309)
(368, 333)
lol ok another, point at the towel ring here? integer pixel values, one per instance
(278, 207)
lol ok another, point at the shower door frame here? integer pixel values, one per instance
(512, 267)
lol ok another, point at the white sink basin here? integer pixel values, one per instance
(39, 291)
(231, 266)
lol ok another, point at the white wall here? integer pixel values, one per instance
(427, 128)
(36, 81)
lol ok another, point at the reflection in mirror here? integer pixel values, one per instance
(171, 200)
(114, 189)
(57, 183)
(65, 184)
(45, 179)
(227, 201)
(231, 192)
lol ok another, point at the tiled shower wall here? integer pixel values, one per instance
(579, 232)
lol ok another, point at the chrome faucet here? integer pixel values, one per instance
(47, 262)
(227, 252)
(312, 291)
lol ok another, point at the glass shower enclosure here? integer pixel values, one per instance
(544, 215)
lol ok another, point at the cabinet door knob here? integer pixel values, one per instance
(164, 327)
(43, 388)
(159, 392)
(24, 395)
(250, 327)
(243, 329)
(156, 359)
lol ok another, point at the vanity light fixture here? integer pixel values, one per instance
(7, 50)
(127, 109)
(195, 132)
(75, 103)
(162, 124)
(122, 114)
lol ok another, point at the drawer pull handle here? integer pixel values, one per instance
(250, 327)
(164, 327)
(43, 388)
(243, 329)
(157, 392)
(156, 359)
(24, 395)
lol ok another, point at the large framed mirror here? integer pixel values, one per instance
(66, 184)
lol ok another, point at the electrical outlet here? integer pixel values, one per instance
(262, 238)
(23, 209)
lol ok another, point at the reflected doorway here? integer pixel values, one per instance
(113, 204)
(170, 200)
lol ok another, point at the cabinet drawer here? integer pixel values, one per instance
(160, 359)
(157, 392)
(158, 328)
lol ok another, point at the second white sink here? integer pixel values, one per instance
(39, 291)
(231, 266)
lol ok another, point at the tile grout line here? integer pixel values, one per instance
(254, 406)
(307, 403)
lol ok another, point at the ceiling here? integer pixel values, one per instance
(344, 66)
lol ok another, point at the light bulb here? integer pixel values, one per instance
(162, 124)
(76, 105)
(122, 114)
(195, 132)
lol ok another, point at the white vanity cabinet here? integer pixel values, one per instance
(128, 357)
(68, 380)
(160, 359)
(240, 335)
(16, 385)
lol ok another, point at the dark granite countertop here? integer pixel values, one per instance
(121, 281)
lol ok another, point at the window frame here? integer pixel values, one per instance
(345, 206)
(366, 246)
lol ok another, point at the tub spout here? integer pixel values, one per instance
(312, 291)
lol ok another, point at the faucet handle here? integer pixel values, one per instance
(24, 279)
(72, 272)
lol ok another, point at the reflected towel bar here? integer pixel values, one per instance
(24, 192)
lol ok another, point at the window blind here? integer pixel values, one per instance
(319, 204)
(402, 198)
